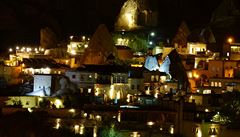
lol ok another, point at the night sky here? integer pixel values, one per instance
(21, 20)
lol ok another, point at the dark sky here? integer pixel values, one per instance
(21, 20)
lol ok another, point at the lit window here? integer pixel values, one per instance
(157, 77)
(212, 84)
(89, 90)
(216, 84)
(220, 84)
(152, 78)
(227, 54)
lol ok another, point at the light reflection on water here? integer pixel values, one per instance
(207, 130)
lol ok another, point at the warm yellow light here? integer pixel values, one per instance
(58, 121)
(171, 129)
(136, 65)
(196, 75)
(17, 48)
(98, 117)
(85, 115)
(76, 129)
(71, 37)
(72, 110)
(95, 131)
(230, 40)
(150, 123)
(119, 116)
(135, 134)
(73, 52)
(85, 46)
(111, 91)
(58, 103)
(206, 110)
(30, 110)
(83, 38)
(118, 95)
(10, 50)
(199, 132)
(81, 129)
(129, 18)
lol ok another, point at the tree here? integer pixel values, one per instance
(109, 128)
(138, 44)
(230, 111)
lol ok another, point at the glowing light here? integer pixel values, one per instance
(150, 42)
(196, 76)
(136, 65)
(83, 38)
(98, 118)
(135, 134)
(58, 123)
(85, 46)
(85, 115)
(72, 110)
(152, 34)
(10, 50)
(199, 132)
(58, 103)
(76, 129)
(128, 97)
(111, 92)
(73, 52)
(40, 99)
(95, 131)
(128, 15)
(119, 117)
(206, 110)
(163, 78)
(230, 40)
(118, 95)
(150, 123)
(171, 129)
(17, 48)
(30, 110)
(71, 37)
(130, 19)
(81, 129)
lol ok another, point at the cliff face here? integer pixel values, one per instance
(101, 46)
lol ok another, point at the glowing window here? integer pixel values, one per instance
(220, 84)
(152, 78)
(89, 90)
(157, 78)
(212, 84)
(216, 84)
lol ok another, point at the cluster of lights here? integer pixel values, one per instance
(83, 38)
(26, 49)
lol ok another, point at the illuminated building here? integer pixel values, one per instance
(106, 81)
(77, 45)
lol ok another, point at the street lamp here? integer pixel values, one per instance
(152, 34)
(230, 40)
(10, 49)
(150, 125)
